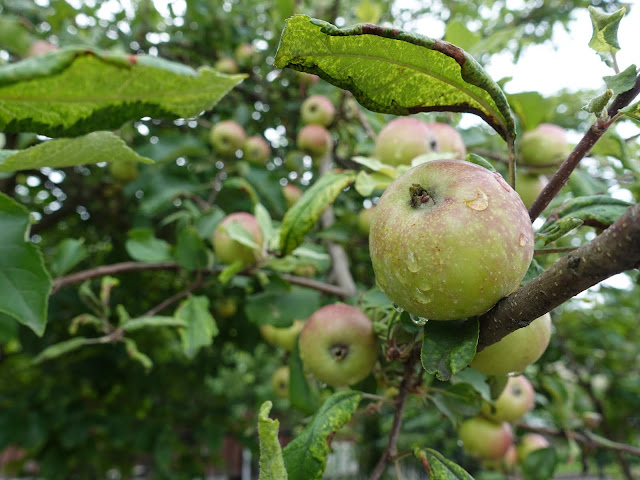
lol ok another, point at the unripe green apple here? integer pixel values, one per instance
(529, 443)
(317, 110)
(516, 351)
(124, 170)
(449, 239)
(544, 145)
(338, 345)
(244, 54)
(291, 193)
(256, 150)
(448, 139)
(284, 337)
(403, 139)
(280, 382)
(365, 216)
(226, 65)
(228, 250)
(485, 439)
(227, 307)
(514, 402)
(529, 187)
(227, 137)
(314, 140)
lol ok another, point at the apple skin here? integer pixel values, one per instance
(403, 139)
(314, 140)
(226, 65)
(227, 137)
(244, 54)
(458, 253)
(124, 171)
(545, 144)
(280, 382)
(529, 187)
(365, 217)
(291, 193)
(448, 139)
(284, 337)
(529, 443)
(228, 250)
(485, 439)
(317, 110)
(338, 345)
(256, 150)
(514, 402)
(516, 351)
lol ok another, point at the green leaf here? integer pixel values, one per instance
(632, 111)
(77, 90)
(271, 461)
(367, 183)
(153, 322)
(540, 464)
(623, 81)
(230, 270)
(441, 468)
(201, 327)
(67, 255)
(263, 218)
(306, 456)
(135, 354)
(14, 35)
(25, 284)
(241, 235)
(376, 165)
(191, 252)
(143, 246)
(301, 395)
(413, 73)
(479, 160)
(280, 308)
(447, 348)
(301, 218)
(598, 104)
(67, 152)
(458, 34)
(59, 349)
(605, 29)
(459, 400)
(476, 379)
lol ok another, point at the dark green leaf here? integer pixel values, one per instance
(201, 327)
(623, 81)
(457, 401)
(280, 308)
(271, 461)
(448, 347)
(540, 464)
(441, 468)
(67, 255)
(191, 252)
(605, 29)
(301, 395)
(143, 246)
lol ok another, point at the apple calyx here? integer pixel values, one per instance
(419, 195)
(339, 352)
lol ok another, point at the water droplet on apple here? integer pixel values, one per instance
(418, 320)
(398, 308)
(412, 262)
(480, 203)
(523, 239)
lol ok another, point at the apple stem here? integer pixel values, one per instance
(511, 146)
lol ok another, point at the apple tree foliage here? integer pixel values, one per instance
(125, 346)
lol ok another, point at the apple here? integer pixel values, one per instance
(226, 65)
(485, 439)
(244, 54)
(544, 145)
(228, 250)
(505, 464)
(529, 443)
(284, 337)
(227, 307)
(40, 47)
(280, 382)
(317, 110)
(403, 139)
(516, 351)
(227, 137)
(529, 187)
(314, 140)
(514, 402)
(448, 139)
(124, 170)
(291, 193)
(449, 239)
(256, 150)
(338, 345)
(307, 79)
(364, 219)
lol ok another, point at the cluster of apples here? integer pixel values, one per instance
(316, 114)
(228, 137)
(243, 57)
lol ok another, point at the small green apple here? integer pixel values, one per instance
(365, 216)
(314, 140)
(514, 402)
(338, 345)
(529, 187)
(227, 137)
(280, 382)
(403, 139)
(284, 337)
(227, 250)
(516, 351)
(529, 443)
(546, 144)
(256, 150)
(226, 307)
(448, 139)
(485, 439)
(317, 110)
(124, 170)
(449, 239)
(226, 65)
(291, 193)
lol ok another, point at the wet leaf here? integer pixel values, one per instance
(271, 461)
(448, 348)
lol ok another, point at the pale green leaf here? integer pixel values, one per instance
(153, 322)
(441, 468)
(605, 29)
(132, 350)
(58, 349)
(367, 183)
(623, 81)
(143, 246)
(67, 255)
(201, 327)
(376, 165)
(271, 461)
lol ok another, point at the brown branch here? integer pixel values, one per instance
(174, 298)
(546, 251)
(317, 285)
(615, 250)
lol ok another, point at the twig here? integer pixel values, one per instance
(545, 251)
(174, 298)
(317, 285)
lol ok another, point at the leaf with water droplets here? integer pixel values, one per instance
(448, 347)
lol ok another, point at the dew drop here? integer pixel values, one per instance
(418, 320)
(480, 203)
(412, 262)
(523, 239)
(398, 308)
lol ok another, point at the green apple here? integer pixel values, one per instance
(280, 382)
(124, 170)
(365, 216)
(544, 145)
(516, 351)
(284, 337)
(529, 443)
(449, 239)
(256, 150)
(314, 140)
(514, 402)
(505, 464)
(485, 439)
(226, 65)
(317, 110)
(228, 250)
(403, 139)
(227, 307)
(244, 54)
(338, 345)
(291, 193)
(448, 139)
(227, 137)
(529, 187)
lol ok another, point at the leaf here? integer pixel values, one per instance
(598, 104)
(143, 246)
(304, 214)
(201, 326)
(459, 400)
(479, 160)
(191, 253)
(476, 379)
(67, 255)
(306, 456)
(271, 461)
(25, 284)
(14, 35)
(135, 354)
(391, 71)
(67, 152)
(540, 464)
(77, 90)
(59, 349)
(377, 166)
(153, 322)
(241, 235)
(280, 308)
(605, 29)
(623, 81)
(632, 111)
(301, 395)
(448, 348)
(367, 183)
(264, 221)
(441, 468)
